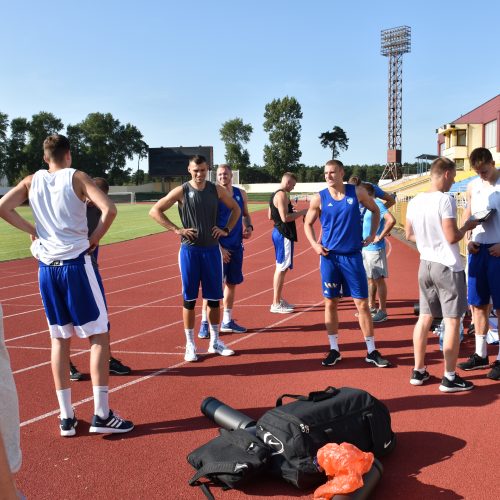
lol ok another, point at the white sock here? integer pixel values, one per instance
(203, 314)
(481, 347)
(214, 333)
(101, 400)
(64, 399)
(370, 344)
(450, 376)
(189, 335)
(228, 315)
(333, 339)
(421, 370)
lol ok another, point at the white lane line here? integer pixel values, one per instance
(163, 370)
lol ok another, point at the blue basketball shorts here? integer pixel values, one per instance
(233, 270)
(73, 298)
(283, 248)
(483, 278)
(343, 275)
(201, 265)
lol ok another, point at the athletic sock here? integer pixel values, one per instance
(481, 347)
(203, 314)
(370, 344)
(421, 370)
(498, 355)
(214, 333)
(189, 335)
(227, 317)
(450, 376)
(333, 339)
(101, 400)
(64, 399)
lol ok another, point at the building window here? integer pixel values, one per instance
(490, 134)
(442, 147)
(459, 163)
(461, 138)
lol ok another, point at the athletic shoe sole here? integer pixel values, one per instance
(228, 352)
(231, 330)
(443, 388)
(482, 367)
(109, 430)
(415, 381)
(368, 360)
(70, 432)
(324, 363)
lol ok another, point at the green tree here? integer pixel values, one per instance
(4, 124)
(235, 134)
(15, 164)
(335, 140)
(282, 122)
(101, 146)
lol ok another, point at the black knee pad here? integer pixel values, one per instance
(213, 304)
(189, 304)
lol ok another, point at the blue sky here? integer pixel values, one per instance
(178, 70)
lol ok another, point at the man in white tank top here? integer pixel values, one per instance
(483, 271)
(69, 284)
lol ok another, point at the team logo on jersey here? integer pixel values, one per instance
(350, 201)
(238, 198)
(191, 194)
(330, 285)
(330, 204)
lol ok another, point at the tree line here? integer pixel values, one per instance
(101, 146)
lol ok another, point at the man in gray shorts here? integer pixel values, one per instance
(431, 222)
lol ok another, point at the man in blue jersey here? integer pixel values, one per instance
(341, 264)
(200, 259)
(71, 288)
(232, 252)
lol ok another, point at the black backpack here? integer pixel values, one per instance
(296, 431)
(229, 460)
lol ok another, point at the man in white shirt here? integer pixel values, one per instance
(431, 223)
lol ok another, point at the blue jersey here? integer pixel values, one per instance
(367, 224)
(233, 240)
(340, 222)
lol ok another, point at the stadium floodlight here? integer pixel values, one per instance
(394, 43)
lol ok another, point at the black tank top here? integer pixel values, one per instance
(287, 229)
(199, 210)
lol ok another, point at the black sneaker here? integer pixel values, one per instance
(68, 426)
(112, 424)
(475, 362)
(376, 358)
(74, 374)
(117, 367)
(332, 357)
(418, 378)
(458, 384)
(494, 373)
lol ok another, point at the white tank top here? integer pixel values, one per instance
(60, 216)
(485, 196)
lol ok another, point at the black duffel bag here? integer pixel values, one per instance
(229, 460)
(297, 430)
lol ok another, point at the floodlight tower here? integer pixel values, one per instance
(394, 43)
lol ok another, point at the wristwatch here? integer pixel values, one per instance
(226, 230)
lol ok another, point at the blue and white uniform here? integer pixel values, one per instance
(342, 270)
(484, 269)
(233, 270)
(71, 289)
(200, 261)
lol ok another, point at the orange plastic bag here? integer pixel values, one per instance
(344, 464)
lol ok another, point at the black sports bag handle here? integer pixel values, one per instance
(315, 396)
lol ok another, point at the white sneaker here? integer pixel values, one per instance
(287, 304)
(220, 348)
(190, 354)
(281, 308)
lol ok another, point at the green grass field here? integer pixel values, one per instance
(131, 222)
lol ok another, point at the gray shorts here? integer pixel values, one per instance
(375, 262)
(443, 292)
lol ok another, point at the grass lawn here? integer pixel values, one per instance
(131, 222)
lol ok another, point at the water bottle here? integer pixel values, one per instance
(440, 332)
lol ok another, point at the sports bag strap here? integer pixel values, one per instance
(206, 490)
(212, 468)
(369, 417)
(313, 396)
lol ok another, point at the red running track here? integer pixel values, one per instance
(447, 443)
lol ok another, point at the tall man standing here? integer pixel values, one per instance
(200, 259)
(232, 252)
(341, 264)
(284, 235)
(484, 256)
(431, 223)
(70, 286)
